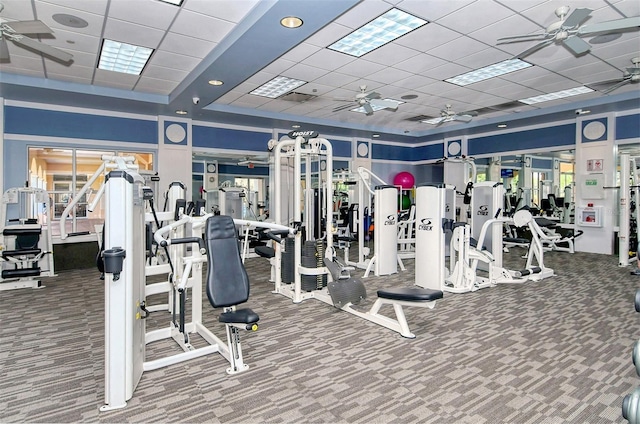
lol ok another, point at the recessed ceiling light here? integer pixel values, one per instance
(502, 125)
(375, 107)
(295, 126)
(123, 57)
(409, 97)
(181, 112)
(375, 135)
(291, 22)
(556, 95)
(174, 2)
(70, 20)
(382, 30)
(277, 87)
(491, 71)
(215, 82)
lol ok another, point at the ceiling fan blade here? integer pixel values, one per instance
(372, 95)
(616, 86)
(610, 26)
(534, 49)
(462, 118)
(368, 109)
(577, 45)
(518, 38)
(576, 17)
(343, 107)
(29, 27)
(53, 52)
(442, 121)
(4, 50)
(385, 104)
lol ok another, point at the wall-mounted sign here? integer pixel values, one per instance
(595, 165)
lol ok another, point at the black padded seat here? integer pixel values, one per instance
(411, 294)
(264, 251)
(21, 231)
(240, 316)
(20, 273)
(21, 252)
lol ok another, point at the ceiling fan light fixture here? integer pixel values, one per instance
(122, 57)
(277, 87)
(487, 72)
(556, 95)
(291, 22)
(384, 29)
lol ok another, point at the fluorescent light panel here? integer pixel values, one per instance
(277, 87)
(123, 57)
(384, 29)
(374, 107)
(488, 72)
(557, 95)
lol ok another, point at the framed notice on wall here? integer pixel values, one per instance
(592, 186)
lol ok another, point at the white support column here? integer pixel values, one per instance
(624, 196)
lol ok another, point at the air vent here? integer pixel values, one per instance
(297, 97)
(419, 118)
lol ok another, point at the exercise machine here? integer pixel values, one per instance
(227, 285)
(26, 250)
(342, 291)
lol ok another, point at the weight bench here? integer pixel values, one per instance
(346, 292)
(228, 285)
(25, 256)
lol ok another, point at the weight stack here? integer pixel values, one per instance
(288, 261)
(308, 282)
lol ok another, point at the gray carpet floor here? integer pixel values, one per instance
(555, 351)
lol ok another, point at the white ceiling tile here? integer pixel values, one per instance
(156, 86)
(277, 106)
(278, 66)
(116, 77)
(228, 10)
(30, 72)
(432, 10)
(483, 58)
(201, 26)
(250, 101)
(328, 59)
(391, 54)
(46, 11)
(474, 16)
(360, 68)
(512, 25)
(87, 60)
(97, 7)
(362, 13)
(315, 89)
(389, 75)
(428, 37)
(68, 78)
(260, 78)
(72, 71)
(335, 79)
(80, 42)
(17, 10)
(152, 13)
(328, 35)
(182, 44)
(173, 61)
(164, 73)
(127, 32)
(419, 64)
(458, 48)
(230, 97)
(300, 52)
(304, 72)
(413, 81)
(447, 70)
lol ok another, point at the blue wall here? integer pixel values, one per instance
(561, 135)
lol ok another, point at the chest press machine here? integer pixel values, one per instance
(227, 285)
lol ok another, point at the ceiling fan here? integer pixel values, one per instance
(253, 160)
(369, 101)
(630, 75)
(569, 30)
(448, 115)
(15, 31)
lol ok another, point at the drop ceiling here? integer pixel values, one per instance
(242, 43)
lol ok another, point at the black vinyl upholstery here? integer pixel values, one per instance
(411, 294)
(227, 280)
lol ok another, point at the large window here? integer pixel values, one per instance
(64, 172)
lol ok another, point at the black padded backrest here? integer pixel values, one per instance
(227, 280)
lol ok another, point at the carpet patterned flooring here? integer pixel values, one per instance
(555, 351)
